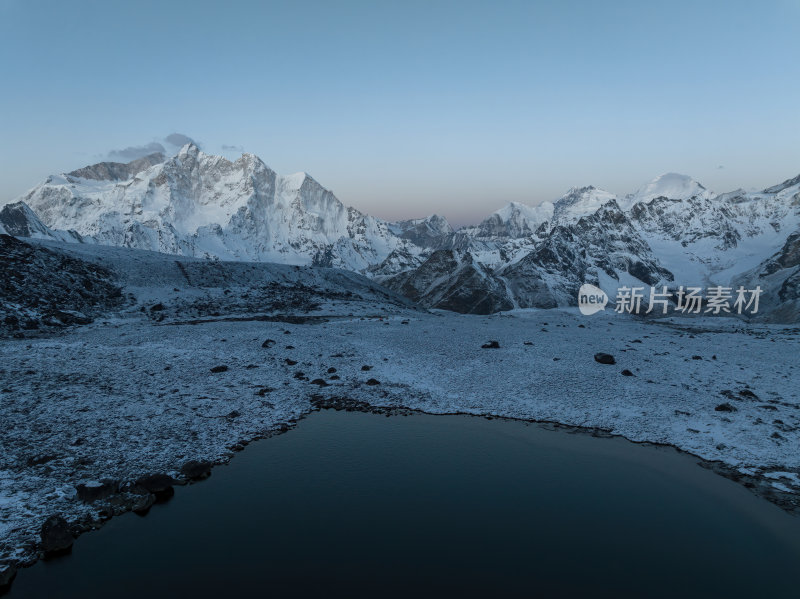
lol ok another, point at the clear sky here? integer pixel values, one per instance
(408, 108)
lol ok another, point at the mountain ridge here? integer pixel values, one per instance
(206, 206)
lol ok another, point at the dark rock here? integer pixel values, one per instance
(748, 394)
(373, 382)
(30, 324)
(40, 459)
(452, 279)
(233, 414)
(290, 362)
(604, 358)
(627, 372)
(56, 536)
(331, 370)
(159, 485)
(319, 382)
(196, 470)
(528, 343)
(143, 500)
(217, 369)
(491, 345)
(300, 375)
(334, 377)
(268, 343)
(157, 307)
(725, 407)
(365, 368)
(95, 492)
(7, 574)
(697, 357)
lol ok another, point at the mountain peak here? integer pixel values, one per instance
(579, 202)
(673, 186)
(117, 171)
(189, 149)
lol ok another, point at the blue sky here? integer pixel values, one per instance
(408, 108)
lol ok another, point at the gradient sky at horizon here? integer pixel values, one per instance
(408, 108)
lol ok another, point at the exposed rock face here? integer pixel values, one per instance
(430, 232)
(42, 289)
(117, 171)
(19, 220)
(779, 277)
(603, 245)
(452, 280)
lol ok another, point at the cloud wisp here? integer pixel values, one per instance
(167, 145)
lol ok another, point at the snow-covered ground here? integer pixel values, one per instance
(132, 396)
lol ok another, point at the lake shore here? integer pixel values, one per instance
(127, 400)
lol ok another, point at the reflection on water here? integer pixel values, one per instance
(351, 503)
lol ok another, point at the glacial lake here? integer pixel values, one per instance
(352, 504)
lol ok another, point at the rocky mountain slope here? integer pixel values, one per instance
(112, 284)
(671, 232)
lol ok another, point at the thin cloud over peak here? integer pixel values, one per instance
(167, 145)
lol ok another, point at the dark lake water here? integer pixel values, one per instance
(355, 504)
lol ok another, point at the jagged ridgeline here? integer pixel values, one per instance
(673, 231)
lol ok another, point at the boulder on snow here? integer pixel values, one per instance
(56, 536)
(159, 485)
(491, 345)
(603, 358)
(94, 491)
(196, 470)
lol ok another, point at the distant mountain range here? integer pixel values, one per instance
(671, 232)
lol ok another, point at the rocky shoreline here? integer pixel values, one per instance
(113, 499)
(107, 418)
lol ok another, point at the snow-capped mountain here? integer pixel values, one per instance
(425, 232)
(201, 205)
(669, 185)
(516, 220)
(18, 220)
(673, 231)
(653, 239)
(513, 221)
